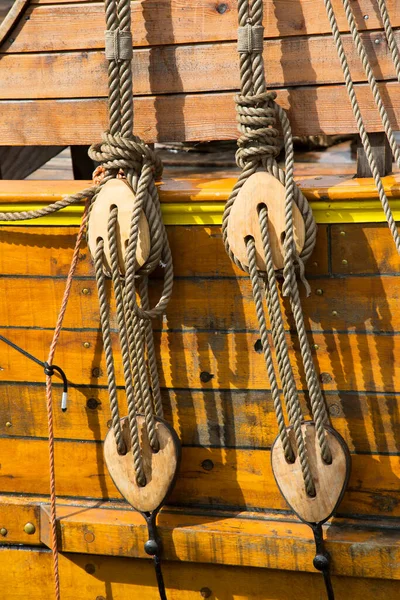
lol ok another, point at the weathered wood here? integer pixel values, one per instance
(330, 480)
(95, 577)
(267, 541)
(262, 189)
(82, 165)
(382, 153)
(171, 22)
(161, 70)
(160, 468)
(208, 477)
(189, 117)
(14, 515)
(117, 192)
(220, 418)
(18, 163)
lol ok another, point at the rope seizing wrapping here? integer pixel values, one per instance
(257, 114)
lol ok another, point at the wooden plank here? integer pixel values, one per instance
(381, 151)
(196, 251)
(364, 305)
(14, 515)
(352, 362)
(170, 69)
(198, 117)
(99, 577)
(238, 479)
(163, 22)
(269, 543)
(363, 249)
(220, 418)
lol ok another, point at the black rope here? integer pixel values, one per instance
(48, 369)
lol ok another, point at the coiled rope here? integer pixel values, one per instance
(257, 113)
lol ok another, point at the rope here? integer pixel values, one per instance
(356, 108)
(49, 403)
(257, 114)
(122, 154)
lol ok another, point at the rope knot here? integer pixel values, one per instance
(117, 153)
(256, 115)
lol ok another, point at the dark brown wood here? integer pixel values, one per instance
(381, 151)
(82, 165)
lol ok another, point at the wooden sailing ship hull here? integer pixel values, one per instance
(227, 532)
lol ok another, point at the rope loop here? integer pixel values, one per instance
(127, 153)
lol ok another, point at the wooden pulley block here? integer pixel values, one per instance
(117, 192)
(330, 480)
(160, 467)
(262, 188)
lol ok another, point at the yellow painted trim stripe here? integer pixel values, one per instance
(210, 213)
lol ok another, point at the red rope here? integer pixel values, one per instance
(49, 402)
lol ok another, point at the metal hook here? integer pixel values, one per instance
(322, 560)
(153, 547)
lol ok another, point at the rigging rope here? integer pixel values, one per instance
(257, 113)
(376, 94)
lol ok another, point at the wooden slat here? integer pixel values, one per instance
(239, 478)
(366, 249)
(220, 418)
(75, 26)
(359, 362)
(14, 515)
(196, 251)
(188, 117)
(99, 577)
(263, 542)
(170, 70)
(367, 304)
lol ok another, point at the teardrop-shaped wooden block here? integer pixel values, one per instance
(117, 192)
(160, 467)
(262, 188)
(330, 480)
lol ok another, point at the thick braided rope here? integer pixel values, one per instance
(394, 50)
(26, 215)
(372, 81)
(360, 123)
(120, 151)
(257, 149)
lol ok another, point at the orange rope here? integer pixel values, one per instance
(49, 402)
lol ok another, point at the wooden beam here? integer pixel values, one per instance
(381, 151)
(271, 542)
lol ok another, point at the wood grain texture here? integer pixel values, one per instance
(168, 22)
(262, 189)
(196, 251)
(198, 117)
(238, 479)
(200, 360)
(267, 541)
(130, 578)
(330, 480)
(160, 468)
(369, 422)
(161, 70)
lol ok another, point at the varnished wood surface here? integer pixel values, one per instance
(98, 577)
(237, 479)
(267, 541)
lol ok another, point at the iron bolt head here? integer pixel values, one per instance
(205, 592)
(319, 292)
(3, 531)
(8, 424)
